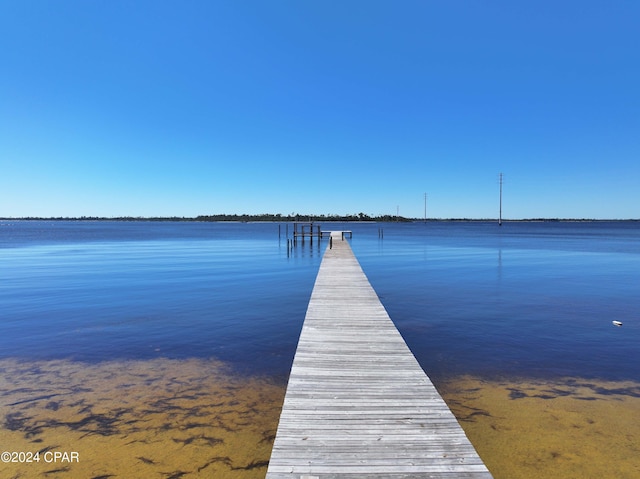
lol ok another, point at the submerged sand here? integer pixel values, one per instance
(193, 418)
(136, 419)
(566, 428)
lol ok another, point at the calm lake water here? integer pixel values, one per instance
(169, 344)
(526, 299)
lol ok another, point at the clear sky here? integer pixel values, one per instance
(162, 108)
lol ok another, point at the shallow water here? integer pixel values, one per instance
(194, 418)
(136, 419)
(562, 429)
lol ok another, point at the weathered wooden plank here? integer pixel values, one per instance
(357, 403)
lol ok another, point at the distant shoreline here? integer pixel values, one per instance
(269, 218)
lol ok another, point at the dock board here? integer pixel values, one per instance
(358, 405)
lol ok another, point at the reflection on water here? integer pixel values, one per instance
(571, 428)
(136, 419)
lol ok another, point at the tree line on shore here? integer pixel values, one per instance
(298, 217)
(230, 217)
(293, 217)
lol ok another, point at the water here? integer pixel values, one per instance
(532, 299)
(169, 344)
(97, 291)
(526, 299)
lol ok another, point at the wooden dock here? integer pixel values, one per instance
(358, 405)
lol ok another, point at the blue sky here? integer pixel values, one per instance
(148, 108)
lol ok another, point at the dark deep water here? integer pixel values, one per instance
(526, 299)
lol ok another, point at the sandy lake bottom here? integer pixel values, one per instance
(137, 419)
(194, 419)
(567, 428)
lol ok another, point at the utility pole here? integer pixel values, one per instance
(500, 217)
(425, 207)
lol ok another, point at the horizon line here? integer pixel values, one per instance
(274, 217)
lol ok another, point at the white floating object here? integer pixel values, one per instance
(616, 323)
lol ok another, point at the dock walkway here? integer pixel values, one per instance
(358, 405)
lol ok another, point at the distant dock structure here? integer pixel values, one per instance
(306, 230)
(358, 404)
(310, 230)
